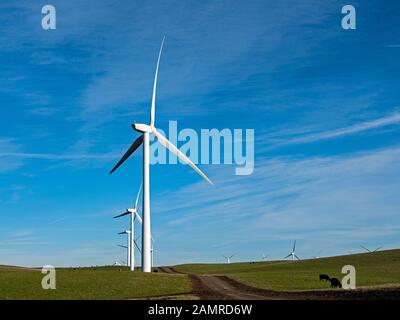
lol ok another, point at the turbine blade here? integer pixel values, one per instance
(127, 154)
(137, 246)
(120, 245)
(365, 248)
(138, 217)
(297, 257)
(294, 246)
(122, 214)
(137, 198)
(122, 232)
(287, 256)
(153, 99)
(167, 144)
(378, 248)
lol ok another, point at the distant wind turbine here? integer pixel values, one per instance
(146, 130)
(134, 214)
(128, 247)
(293, 253)
(377, 249)
(318, 255)
(264, 257)
(228, 259)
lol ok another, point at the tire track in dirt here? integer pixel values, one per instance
(212, 287)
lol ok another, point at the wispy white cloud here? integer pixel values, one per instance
(52, 156)
(8, 146)
(341, 132)
(21, 238)
(58, 220)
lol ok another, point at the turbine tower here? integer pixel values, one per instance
(146, 130)
(134, 214)
(293, 253)
(128, 247)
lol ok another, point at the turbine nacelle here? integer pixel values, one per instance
(142, 127)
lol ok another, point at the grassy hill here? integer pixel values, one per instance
(378, 268)
(90, 283)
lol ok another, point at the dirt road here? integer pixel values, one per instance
(223, 288)
(212, 287)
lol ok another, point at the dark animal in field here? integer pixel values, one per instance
(324, 277)
(335, 283)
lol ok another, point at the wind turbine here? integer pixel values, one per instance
(293, 254)
(318, 255)
(128, 247)
(264, 257)
(377, 249)
(118, 263)
(228, 259)
(146, 130)
(133, 212)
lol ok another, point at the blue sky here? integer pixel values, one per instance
(323, 101)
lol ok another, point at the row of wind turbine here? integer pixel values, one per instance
(134, 214)
(145, 131)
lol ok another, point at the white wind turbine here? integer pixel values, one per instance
(128, 247)
(118, 263)
(264, 257)
(146, 130)
(228, 259)
(318, 255)
(293, 253)
(134, 214)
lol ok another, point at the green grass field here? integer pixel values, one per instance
(378, 268)
(90, 283)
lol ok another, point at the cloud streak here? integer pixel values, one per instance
(342, 132)
(53, 156)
